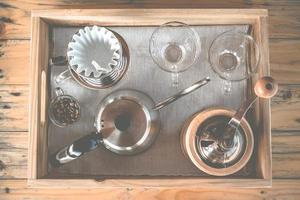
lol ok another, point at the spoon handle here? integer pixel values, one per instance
(182, 93)
(237, 117)
(266, 87)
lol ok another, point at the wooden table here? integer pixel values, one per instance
(284, 34)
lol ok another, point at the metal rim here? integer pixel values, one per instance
(114, 34)
(125, 60)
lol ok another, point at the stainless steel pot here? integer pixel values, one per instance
(127, 123)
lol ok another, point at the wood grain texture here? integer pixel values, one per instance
(37, 158)
(13, 156)
(285, 60)
(284, 25)
(14, 107)
(286, 154)
(14, 61)
(282, 189)
(262, 109)
(144, 17)
(284, 33)
(286, 108)
(15, 15)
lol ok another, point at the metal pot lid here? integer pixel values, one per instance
(127, 122)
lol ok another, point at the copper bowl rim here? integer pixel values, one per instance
(188, 144)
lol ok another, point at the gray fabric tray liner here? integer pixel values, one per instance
(165, 157)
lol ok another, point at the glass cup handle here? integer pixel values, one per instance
(175, 77)
(59, 91)
(227, 86)
(63, 76)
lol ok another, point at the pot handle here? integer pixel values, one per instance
(76, 149)
(182, 93)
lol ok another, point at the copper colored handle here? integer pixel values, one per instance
(266, 87)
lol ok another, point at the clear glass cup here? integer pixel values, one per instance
(174, 47)
(234, 56)
(64, 109)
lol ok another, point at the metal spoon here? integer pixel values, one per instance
(265, 88)
(182, 93)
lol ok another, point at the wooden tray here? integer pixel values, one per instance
(42, 21)
(159, 160)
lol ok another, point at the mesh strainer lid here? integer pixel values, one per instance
(94, 51)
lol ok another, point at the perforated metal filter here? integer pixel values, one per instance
(93, 52)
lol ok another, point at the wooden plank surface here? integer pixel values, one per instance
(15, 15)
(13, 156)
(286, 108)
(286, 154)
(284, 32)
(14, 61)
(282, 189)
(14, 107)
(285, 60)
